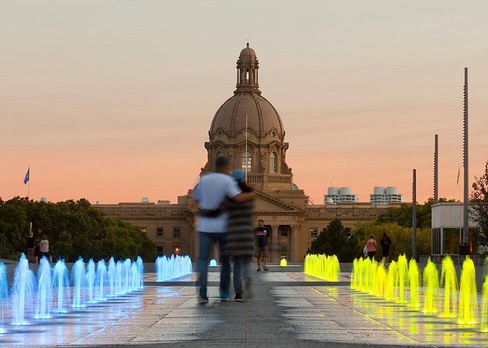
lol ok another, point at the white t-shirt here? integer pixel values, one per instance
(210, 192)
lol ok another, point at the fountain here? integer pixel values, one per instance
(213, 263)
(22, 291)
(322, 266)
(402, 277)
(119, 267)
(431, 283)
(140, 267)
(413, 278)
(381, 277)
(101, 279)
(90, 279)
(484, 306)
(391, 281)
(449, 281)
(61, 286)
(135, 278)
(467, 293)
(112, 277)
(3, 293)
(126, 275)
(44, 290)
(78, 277)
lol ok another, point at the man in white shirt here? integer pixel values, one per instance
(210, 193)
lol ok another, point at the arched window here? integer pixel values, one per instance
(273, 162)
(246, 161)
(219, 154)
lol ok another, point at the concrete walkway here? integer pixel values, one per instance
(289, 309)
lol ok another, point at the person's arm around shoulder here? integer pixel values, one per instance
(243, 197)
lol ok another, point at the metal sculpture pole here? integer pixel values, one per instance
(464, 243)
(414, 215)
(436, 171)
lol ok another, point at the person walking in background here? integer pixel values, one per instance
(371, 247)
(240, 239)
(210, 193)
(44, 247)
(31, 246)
(262, 234)
(385, 247)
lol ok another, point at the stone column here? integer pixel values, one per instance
(275, 247)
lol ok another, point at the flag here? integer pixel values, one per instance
(27, 175)
(459, 172)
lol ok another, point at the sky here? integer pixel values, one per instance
(112, 100)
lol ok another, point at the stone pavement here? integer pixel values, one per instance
(288, 309)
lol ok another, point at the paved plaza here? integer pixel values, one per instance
(288, 309)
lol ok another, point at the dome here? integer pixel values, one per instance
(262, 117)
(247, 53)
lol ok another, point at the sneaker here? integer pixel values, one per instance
(238, 298)
(224, 296)
(202, 300)
(259, 269)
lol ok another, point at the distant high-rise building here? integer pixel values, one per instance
(337, 195)
(384, 196)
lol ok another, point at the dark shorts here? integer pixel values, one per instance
(386, 252)
(371, 254)
(262, 252)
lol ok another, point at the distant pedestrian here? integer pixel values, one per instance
(385, 247)
(31, 246)
(240, 239)
(371, 247)
(210, 193)
(37, 251)
(262, 234)
(44, 247)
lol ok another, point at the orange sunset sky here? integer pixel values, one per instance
(112, 100)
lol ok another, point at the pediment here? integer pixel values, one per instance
(265, 203)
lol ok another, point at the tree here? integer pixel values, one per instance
(403, 214)
(73, 229)
(479, 204)
(336, 240)
(400, 236)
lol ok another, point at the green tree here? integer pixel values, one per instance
(479, 203)
(401, 238)
(73, 229)
(403, 214)
(336, 240)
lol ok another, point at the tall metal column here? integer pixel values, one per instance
(464, 243)
(414, 215)
(436, 171)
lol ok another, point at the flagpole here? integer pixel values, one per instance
(28, 186)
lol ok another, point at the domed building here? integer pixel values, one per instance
(248, 130)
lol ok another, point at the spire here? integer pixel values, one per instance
(247, 71)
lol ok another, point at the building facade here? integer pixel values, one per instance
(249, 131)
(385, 196)
(339, 195)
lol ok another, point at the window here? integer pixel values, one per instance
(159, 250)
(219, 154)
(159, 232)
(274, 162)
(283, 232)
(314, 232)
(176, 232)
(246, 159)
(247, 76)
